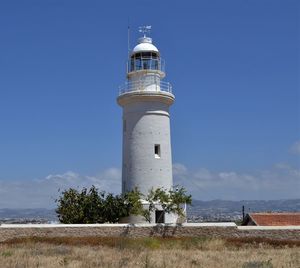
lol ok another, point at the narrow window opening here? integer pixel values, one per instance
(157, 151)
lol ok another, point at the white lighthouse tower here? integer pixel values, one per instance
(145, 98)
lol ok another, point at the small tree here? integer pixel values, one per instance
(114, 208)
(69, 209)
(169, 200)
(92, 206)
(133, 201)
(119, 206)
(81, 207)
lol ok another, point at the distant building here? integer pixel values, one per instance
(272, 219)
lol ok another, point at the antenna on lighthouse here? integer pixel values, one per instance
(145, 29)
(128, 38)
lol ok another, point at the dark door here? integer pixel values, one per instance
(159, 216)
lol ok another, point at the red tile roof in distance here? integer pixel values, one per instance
(276, 219)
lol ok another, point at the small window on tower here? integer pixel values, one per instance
(157, 151)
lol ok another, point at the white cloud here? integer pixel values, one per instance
(295, 148)
(279, 182)
(179, 169)
(42, 193)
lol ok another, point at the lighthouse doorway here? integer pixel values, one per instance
(159, 216)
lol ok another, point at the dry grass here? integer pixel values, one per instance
(148, 252)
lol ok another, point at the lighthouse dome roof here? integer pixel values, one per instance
(145, 44)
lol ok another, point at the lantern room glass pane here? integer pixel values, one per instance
(144, 61)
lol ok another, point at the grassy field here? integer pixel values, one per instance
(148, 252)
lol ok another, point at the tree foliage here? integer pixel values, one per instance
(94, 206)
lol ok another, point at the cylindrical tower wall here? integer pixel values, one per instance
(147, 160)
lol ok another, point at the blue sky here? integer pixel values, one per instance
(234, 67)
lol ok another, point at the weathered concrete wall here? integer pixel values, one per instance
(228, 230)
